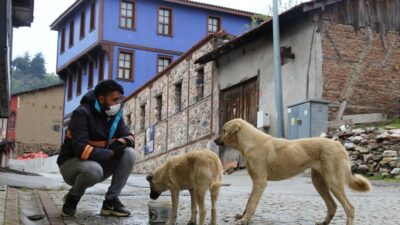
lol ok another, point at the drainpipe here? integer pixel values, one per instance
(278, 77)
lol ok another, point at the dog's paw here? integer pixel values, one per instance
(322, 223)
(191, 223)
(242, 222)
(238, 216)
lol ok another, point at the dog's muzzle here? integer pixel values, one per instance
(218, 141)
(154, 195)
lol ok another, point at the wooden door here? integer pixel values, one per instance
(240, 101)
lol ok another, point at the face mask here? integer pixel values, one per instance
(114, 109)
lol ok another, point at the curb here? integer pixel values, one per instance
(11, 213)
(52, 213)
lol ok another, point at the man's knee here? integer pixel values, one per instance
(93, 173)
(129, 156)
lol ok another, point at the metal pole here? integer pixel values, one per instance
(278, 77)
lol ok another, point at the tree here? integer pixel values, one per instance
(27, 74)
(37, 66)
(21, 65)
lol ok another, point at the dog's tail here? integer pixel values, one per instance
(218, 184)
(359, 183)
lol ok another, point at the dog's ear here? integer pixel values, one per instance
(149, 177)
(235, 127)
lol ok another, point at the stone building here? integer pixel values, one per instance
(175, 111)
(38, 119)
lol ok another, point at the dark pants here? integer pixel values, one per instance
(84, 174)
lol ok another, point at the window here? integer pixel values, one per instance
(125, 64)
(163, 62)
(92, 16)
(127, 14)
(158, 108)
(142, 116)
(214, 24)
(62, 50)
(12, 120)
(178, 97)
(91, 72)
(129, 120)
(164, 21)
(79, 82)
(82, 27)
(70, 83)
(101, 67)
(71, 34)
(200, 84)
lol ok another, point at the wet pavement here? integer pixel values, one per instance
(292, 201)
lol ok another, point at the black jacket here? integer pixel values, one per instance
(87, 133)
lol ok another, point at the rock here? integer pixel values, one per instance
(356, 139)
(358, 131)
(349, 146)
(392, 163)
(362, 149)
(368, 157)
(395, 171)
(385, 174)
(377, 157)
(382, 136)
(387, 160)
(389, 153)
(395, 131)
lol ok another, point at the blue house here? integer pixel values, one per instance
(131, 40)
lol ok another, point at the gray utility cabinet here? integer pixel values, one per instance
(307, 119)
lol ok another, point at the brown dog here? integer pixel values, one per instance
(269, 158)
(196, 171)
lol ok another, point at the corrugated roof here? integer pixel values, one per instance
(77, 4)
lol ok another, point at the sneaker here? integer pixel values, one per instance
(114, 207)
(69, 207)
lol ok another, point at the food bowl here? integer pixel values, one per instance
(159, 212)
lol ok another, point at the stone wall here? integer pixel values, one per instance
(187, 112)
(372, 151)
(361, 67)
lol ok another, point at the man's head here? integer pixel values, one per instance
(108, 93)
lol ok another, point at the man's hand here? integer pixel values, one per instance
(123, 141)
(118, 147)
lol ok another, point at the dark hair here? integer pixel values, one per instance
(106, 86)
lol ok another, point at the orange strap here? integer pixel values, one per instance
(86, 152)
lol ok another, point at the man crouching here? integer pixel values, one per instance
(97, 145)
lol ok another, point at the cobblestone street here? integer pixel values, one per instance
(291, 202)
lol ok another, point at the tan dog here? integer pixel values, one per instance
(196, 171)
(269, 158)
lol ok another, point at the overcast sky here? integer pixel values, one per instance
(39, 37)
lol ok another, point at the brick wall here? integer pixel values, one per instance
(359, 68)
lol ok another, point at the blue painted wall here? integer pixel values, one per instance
(189, 26)
(79, 45)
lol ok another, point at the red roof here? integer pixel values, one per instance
(195, 47)
(78, 3)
